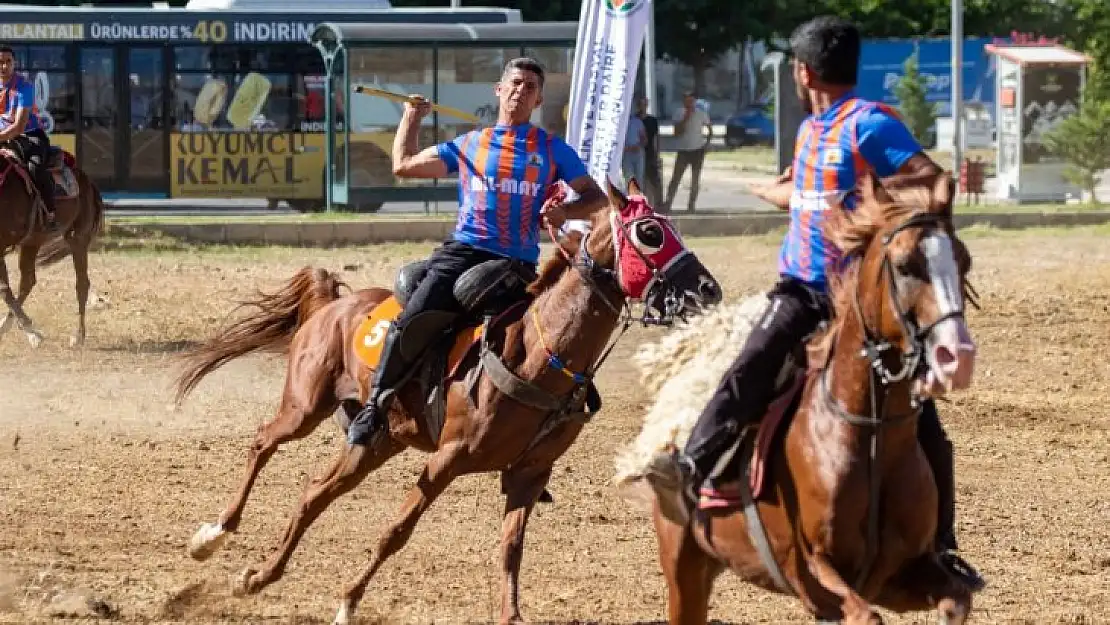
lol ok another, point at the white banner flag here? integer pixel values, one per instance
(606, 57)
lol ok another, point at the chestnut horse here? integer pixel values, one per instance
(22, 217)
(841, 509)
(515, 404)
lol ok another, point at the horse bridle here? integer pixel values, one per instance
(594, 275)
(873, 345)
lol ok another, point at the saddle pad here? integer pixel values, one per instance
(779, 413)
(65, 183)
(369, 338)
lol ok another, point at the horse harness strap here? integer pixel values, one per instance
(574, 405)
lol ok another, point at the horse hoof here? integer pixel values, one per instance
(35, 339)
(207, 541)
(343, 615)
(76, 341)
(243, 583)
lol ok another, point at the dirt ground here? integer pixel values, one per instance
(102, 481)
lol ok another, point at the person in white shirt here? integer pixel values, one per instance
(691, 146)
(635, 141)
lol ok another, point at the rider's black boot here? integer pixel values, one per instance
(373, 419)
(939, 453)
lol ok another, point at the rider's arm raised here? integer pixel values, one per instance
(407, 161)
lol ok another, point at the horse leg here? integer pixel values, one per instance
(688, 570)
(855, 609)
(354, 463)
(79, 250)
(522, 491)
(924, 584)
(291, 423)
(27, 281)
(444, 465)
(15, 306)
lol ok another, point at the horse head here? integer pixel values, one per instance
(910, 282)
(641, 252)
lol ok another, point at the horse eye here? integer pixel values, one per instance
(648, 236)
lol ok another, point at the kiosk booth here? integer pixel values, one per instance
(1038, 86)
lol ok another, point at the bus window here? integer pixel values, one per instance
(466, 80)
(55, 88)
(373, 121)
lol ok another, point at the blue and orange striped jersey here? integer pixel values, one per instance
(18, 94)
(504, 173)
(831, 152)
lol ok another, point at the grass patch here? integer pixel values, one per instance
(762, 159)
(126, 220)
(961, 208)
(984, 231)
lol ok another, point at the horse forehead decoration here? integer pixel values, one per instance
(645, 243)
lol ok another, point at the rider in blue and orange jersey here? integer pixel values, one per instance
(843, 137)
(504, 175)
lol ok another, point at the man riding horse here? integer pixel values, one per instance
(505, 172)
(843, 137)
(21, 129)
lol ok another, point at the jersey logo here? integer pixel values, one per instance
(504, 185)
(834, 157)
(535, 160)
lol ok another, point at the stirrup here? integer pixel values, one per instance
(962, 570)
(367, 424)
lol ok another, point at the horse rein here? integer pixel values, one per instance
(873, 347)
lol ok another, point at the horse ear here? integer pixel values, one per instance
(944, 193)
(634, 187)
(616, 198)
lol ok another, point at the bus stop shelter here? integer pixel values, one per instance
(456, 65)
(1038, 86)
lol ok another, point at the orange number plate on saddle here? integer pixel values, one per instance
(370, 336)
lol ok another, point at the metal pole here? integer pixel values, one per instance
(456, 4)
(957, 87)
(649, 64)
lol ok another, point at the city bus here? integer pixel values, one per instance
(159, 102)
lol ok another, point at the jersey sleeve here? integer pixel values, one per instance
(885, 142)
(568, 165)
(24, 97)
(450, 152)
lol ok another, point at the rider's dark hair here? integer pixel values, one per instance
(527, 64)
(6, 48)
(830, 46)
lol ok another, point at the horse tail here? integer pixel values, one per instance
(85, 228)
(680, 373)
(270, 329)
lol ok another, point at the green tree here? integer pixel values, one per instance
(531, 10)
(698, 32)
(1083, 142)
(918, 113)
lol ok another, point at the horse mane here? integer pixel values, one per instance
(554, 267)
(852, 232)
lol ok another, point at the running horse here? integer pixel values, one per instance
(509, 394)
(80, 219)
(831, 499)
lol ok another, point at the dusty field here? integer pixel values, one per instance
(102, 482)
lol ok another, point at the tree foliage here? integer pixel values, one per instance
(1083, 142)
(918, 113)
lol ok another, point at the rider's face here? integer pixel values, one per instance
(7, 66)
(801, 85)
(519, 93)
